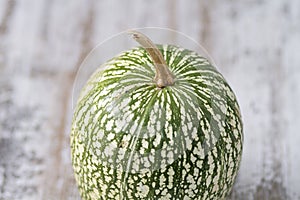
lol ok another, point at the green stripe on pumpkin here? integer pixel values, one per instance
(132, 140)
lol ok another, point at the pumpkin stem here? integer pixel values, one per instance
(163, 76)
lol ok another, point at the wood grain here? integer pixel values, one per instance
(255, 44)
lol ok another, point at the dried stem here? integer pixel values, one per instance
(163, 76)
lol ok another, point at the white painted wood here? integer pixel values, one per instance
(249, 47)
(290, 62)
(255, 44)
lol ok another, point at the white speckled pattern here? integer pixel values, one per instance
(132, 140)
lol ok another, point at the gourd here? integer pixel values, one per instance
(156, 122)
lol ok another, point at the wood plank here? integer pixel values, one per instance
(72, 22)
(21, 162)
(6, 11)
(291, 91)
(253, 66)
(41, 63)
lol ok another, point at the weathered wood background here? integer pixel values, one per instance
(255, 43)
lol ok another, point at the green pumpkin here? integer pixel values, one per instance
(156, 122)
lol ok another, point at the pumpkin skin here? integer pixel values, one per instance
(133, 140)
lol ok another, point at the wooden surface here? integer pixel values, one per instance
(255, 43)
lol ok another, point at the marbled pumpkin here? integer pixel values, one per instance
(133, 140)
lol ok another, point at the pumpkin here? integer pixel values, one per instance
(156, 122)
